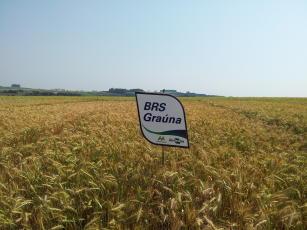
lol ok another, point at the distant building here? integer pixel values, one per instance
(15, 86)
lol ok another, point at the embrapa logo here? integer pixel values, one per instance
(176, 140)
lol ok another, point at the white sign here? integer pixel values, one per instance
(162, 119)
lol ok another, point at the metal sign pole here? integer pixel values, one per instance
(163, 156)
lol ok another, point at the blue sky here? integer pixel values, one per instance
(232, 48)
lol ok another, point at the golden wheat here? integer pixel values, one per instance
(81, 163)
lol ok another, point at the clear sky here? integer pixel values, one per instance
(232, 48)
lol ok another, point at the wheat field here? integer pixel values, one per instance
(81, 163)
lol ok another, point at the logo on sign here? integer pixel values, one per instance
(161, 139)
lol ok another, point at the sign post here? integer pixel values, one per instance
(163, 156)
(162, 120)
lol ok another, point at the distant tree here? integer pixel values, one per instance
(15, 86)
(118, 90)
(136, 90)
(168, 91)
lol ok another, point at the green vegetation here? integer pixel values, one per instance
(17, 90)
